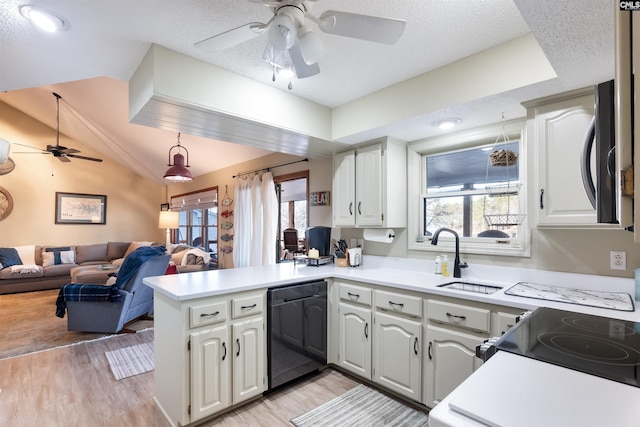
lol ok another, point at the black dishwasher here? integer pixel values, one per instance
(297, 331)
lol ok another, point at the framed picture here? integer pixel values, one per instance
(75, 208)
(6, 203)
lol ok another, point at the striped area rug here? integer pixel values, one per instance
(362, 406)
(129, 361)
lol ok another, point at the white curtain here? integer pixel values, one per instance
(255, 221)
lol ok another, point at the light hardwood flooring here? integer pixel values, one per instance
(73, 385)
(28, 323)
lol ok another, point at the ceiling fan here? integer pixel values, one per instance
(293, 46)
(61, 153)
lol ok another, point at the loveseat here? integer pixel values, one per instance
(49, 267)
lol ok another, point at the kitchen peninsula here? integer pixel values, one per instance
(203, 317)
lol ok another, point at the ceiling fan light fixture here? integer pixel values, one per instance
(178, 171)
(282, 33)
(43, 18)
(310, 45)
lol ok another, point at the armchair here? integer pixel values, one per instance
(112, 317)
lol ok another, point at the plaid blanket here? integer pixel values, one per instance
(84, 292)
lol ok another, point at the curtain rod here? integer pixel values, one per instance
(269, 168)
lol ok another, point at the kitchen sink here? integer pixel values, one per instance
(471, 287)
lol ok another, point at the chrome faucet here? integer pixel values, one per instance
(457, 265)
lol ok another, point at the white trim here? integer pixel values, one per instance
(416, 190)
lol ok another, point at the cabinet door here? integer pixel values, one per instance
(355, 340)
(451, 358)
(248, 359)
(504, 321)
(369, 186)
(560, 130)
(397, 354)
(344, 175)
(210, 372)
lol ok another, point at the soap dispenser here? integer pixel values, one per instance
(445, 266)
(438, 265)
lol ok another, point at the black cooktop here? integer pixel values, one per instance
(608, 348)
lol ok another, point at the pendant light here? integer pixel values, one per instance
(178, 171)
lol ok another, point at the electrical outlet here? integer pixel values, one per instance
(618, 260)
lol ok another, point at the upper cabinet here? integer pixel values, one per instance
(370, 185)
(556, 131)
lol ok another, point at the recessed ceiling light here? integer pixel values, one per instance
(43, 18)
(447, 124)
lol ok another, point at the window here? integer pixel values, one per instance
(468, 194)
(198, 224)
(463, 189)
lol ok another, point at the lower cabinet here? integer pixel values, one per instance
(382, 344)
(354, 347)
(451, 358)
(397, 354)
(222, 362)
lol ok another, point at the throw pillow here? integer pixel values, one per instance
(193, 259)
(9, 257)
(176, 257)
(27, 254)
(56, 256)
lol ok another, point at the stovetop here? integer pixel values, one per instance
(608, 348)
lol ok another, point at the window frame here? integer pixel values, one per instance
(416, 170)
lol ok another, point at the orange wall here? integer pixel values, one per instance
(133, 202)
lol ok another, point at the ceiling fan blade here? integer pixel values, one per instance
(75, 156)
(61, 149)
(62, 158)
(364, 27)
(303, 70)
(34, 148)
(232, 37)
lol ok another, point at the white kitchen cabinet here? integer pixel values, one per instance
(397, 354)
(210, 368)
(451, 358)
(556, 131)
(503, 322)
(354, 347)
(209, 354)
(370, 185)
(248, 361)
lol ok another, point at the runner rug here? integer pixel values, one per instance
(129, 361)
(362, 406)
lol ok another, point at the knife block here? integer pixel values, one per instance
(343, 262)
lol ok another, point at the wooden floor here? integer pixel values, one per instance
(28, 323)
(73, 385)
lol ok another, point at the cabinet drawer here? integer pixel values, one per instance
(398, 303)
(477, 319)
(354, 293)
(247, 306)
(206, 314)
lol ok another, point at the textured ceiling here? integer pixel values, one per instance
(91, 63)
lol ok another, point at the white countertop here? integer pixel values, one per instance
(500, 393)
(400, 273)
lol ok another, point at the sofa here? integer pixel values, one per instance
(49, 267)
